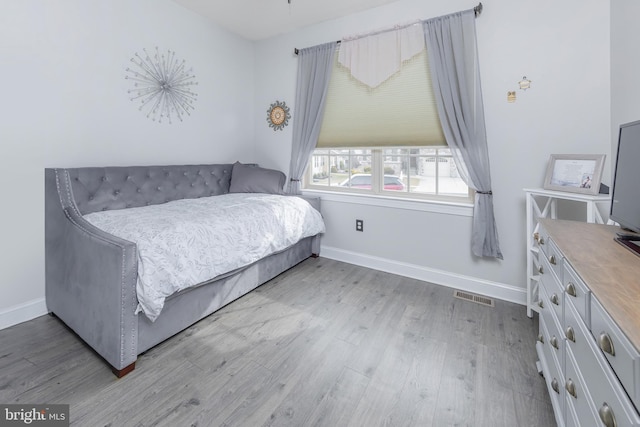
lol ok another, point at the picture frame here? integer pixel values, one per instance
(574, 173)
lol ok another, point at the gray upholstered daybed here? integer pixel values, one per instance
(91, 275)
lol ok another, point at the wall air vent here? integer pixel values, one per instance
(478, 299)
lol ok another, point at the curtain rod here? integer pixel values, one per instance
(477, 10)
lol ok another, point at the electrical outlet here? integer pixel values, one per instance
(359, 225)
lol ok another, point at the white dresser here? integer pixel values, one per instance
(544, 204)
(589, 315)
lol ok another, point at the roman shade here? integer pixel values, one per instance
(401, 111)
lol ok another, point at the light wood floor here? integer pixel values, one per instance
(324, 344)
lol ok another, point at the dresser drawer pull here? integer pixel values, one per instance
(607, 416)
(554, 299)
(606, 344)
(541, 240)
(570, 333)
(571, 388)
(540, 304)
(554, 385)
(571, 289)
(540, 270)
(541, 338)
(554, 342)
(552, 260)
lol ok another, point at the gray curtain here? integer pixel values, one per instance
(453, 61)
(314, 71)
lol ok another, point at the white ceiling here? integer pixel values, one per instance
(261, 19)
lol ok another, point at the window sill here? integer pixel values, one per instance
(436, 206)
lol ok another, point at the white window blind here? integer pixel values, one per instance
(399, 112)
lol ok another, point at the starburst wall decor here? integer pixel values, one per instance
(162, 86)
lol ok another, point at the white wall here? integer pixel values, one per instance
(625, 65)
(563, 47)
(65, 104)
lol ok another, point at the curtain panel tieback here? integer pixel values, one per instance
(485, 192)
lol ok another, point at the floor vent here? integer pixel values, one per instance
(479, 299)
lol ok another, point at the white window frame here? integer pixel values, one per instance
(421, 201)
(433, 206)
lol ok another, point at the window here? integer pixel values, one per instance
(386, 140)
(417, 172)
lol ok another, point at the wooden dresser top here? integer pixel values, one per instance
(610, 270)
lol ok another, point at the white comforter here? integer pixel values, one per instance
(186, 242)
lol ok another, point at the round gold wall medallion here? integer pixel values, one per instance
(278, 115)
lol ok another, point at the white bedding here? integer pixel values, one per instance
(186, 242)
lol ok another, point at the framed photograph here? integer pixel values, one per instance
(575, 173)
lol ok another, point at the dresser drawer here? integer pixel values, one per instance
(576, 292)
(580, 408)
(554, 292)
(608, 399)
(614, 345)
(572, 418)
(553, 256)
(579, 339)
(552, 282)
(543, 240)
(550, 329)
(549, 251)
(552, 376)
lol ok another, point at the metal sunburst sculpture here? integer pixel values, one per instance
(162, 85)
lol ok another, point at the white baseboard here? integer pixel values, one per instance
(452, 280)
(22, 312)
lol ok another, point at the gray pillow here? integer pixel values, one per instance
(254, 179)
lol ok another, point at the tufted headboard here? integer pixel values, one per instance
(104, 188)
